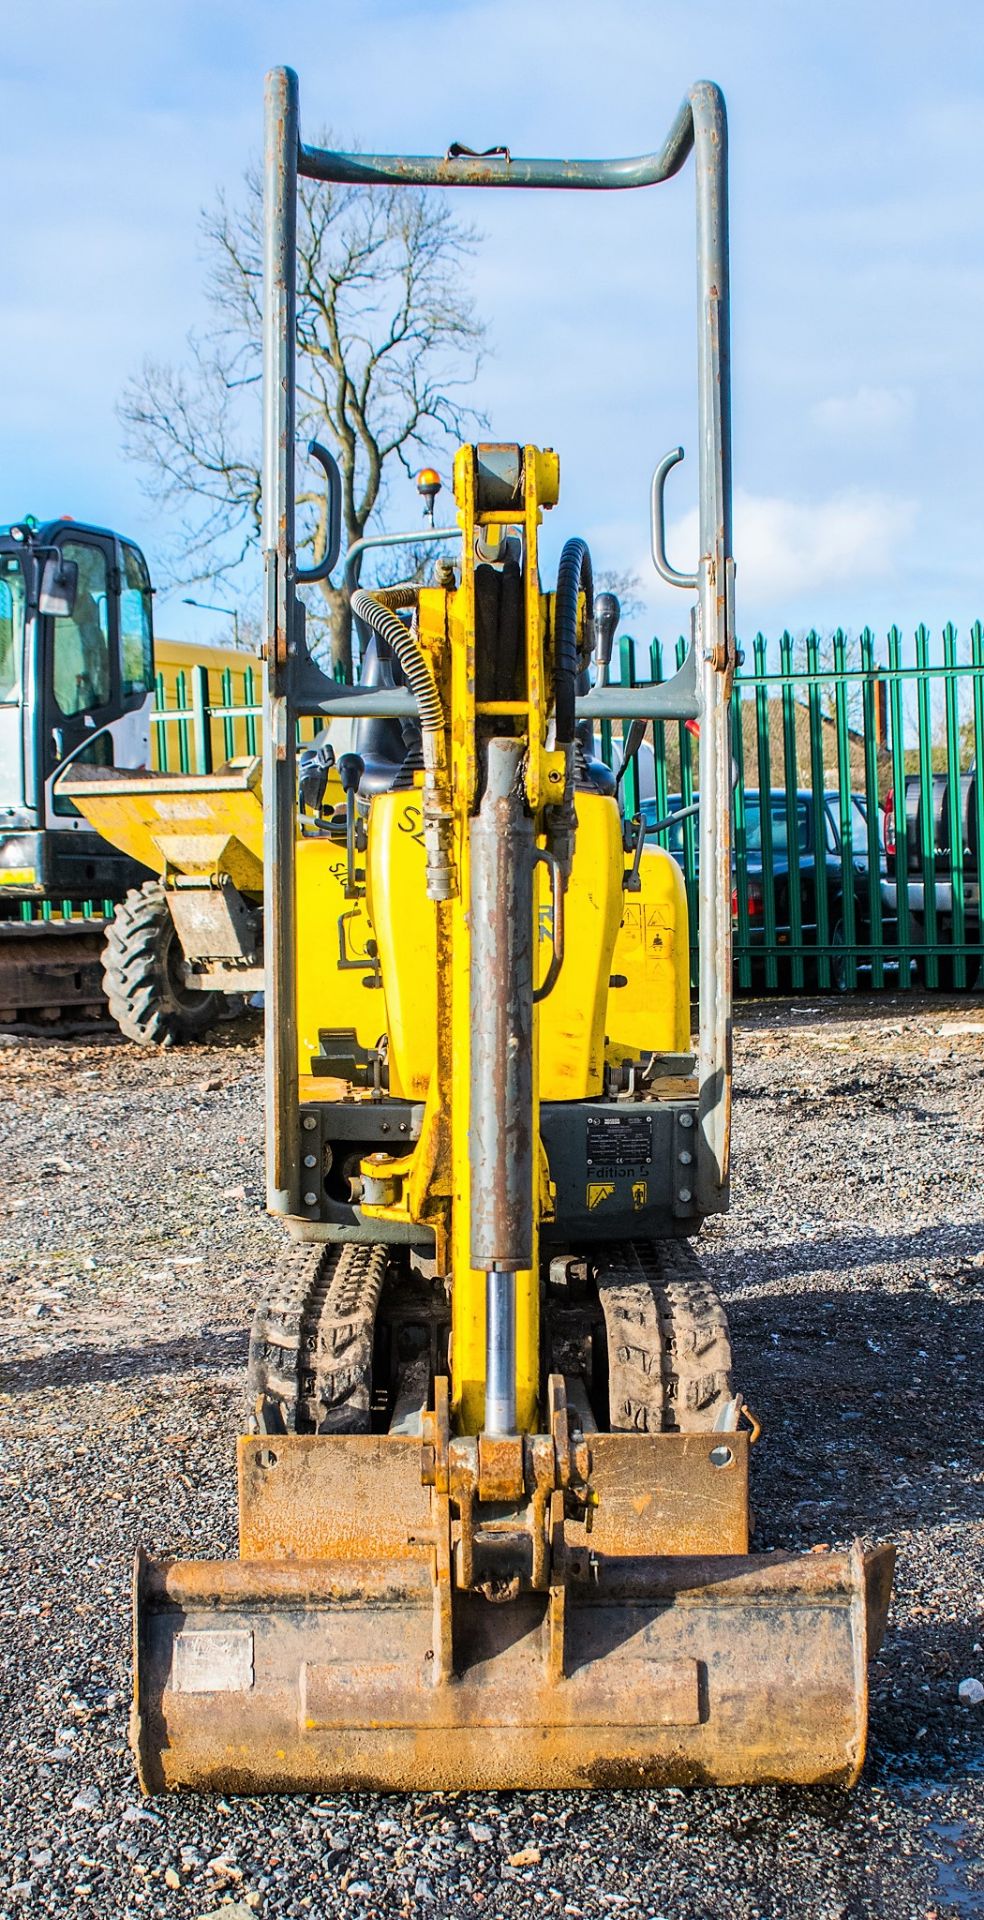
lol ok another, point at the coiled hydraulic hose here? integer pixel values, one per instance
(388, 628)
(438, 819)
(574, 576)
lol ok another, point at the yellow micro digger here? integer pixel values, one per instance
(494, 1496)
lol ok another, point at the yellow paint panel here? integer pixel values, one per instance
(328, 995)
(572, 1017)
(18, 877)
(165, 816)
(404, 923)
(651, 1013)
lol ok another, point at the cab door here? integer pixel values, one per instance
(82, 677)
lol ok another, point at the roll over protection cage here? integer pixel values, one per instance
(294, 686)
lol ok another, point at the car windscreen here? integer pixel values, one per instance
(11, 628)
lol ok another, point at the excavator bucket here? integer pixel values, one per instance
(302, 1674)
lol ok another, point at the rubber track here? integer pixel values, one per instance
(669, 1352)
(310, 1350)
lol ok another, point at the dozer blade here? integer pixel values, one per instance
(263, 1675)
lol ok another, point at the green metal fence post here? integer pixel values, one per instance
(627, 678)
(160, 726)
(896, 690)
(660, 785)
(791, 782)
(743, 955)
(251, 701)
(228, 719)
(817, 783)
(689, 826)
(870, 732)
(764, 757)
(927, 850)
(951, 694)
(184, 757)
(848, 917)
(201, 720)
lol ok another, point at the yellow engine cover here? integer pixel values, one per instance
(573, 1016)
(651, 1013)
(404, 926)
(640, 939)
(330, 995)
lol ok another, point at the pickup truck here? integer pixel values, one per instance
(936, 882)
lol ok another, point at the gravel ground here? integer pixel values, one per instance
(133, 1250)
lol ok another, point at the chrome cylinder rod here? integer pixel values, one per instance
(500, 1353)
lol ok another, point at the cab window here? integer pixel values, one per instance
(136, 641)
(81, 645)
(11, 627)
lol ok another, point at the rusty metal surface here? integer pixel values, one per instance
(349, 1498)
(502, 1123)
(303, 1498)
(500, 1466)
(676, 1670)
(662, 1493)
(215, 923)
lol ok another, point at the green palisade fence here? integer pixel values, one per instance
(859, 743)
(852, 737)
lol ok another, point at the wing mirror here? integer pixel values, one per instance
(59, 586)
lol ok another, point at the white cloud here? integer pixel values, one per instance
(867, 413)
(785, 547)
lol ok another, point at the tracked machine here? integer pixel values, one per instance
(494, 1520)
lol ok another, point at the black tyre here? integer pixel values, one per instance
(143, 974)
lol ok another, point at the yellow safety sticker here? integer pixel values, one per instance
(599, 1191)
(18, 877)
(640, 1194)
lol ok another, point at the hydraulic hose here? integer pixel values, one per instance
(574, 576)
(438, 818)
(404, 594)
(388, 628)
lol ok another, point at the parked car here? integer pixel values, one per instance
(821, 862)
(920, 868)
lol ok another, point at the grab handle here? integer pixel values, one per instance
(660, 561)
(307, 576)
(557, 898)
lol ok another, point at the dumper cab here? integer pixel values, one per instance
(76, 687)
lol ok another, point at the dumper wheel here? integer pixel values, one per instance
(669, 1351)
(143, 974)
(311, 1346)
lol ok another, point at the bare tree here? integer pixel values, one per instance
(627, 587)
(387, 341)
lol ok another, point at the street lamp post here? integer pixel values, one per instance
(207, 607)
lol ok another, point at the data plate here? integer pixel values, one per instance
(619, 1145)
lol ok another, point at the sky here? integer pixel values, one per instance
(857, 211)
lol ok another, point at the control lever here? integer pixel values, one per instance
(351, 768)
(631, 742)
(606, 618)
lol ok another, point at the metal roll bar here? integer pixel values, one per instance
(293, 684)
